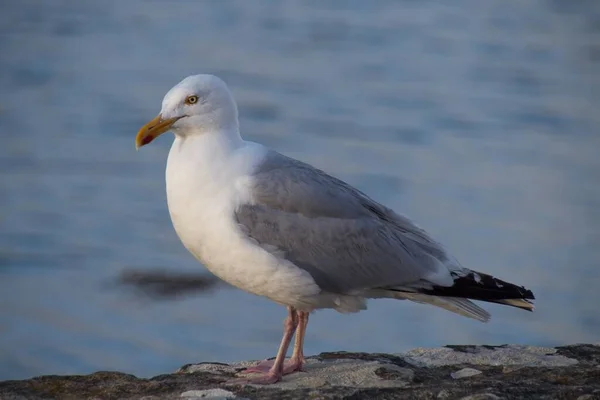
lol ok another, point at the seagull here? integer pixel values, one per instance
(277, 227)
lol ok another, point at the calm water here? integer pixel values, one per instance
(479, 119)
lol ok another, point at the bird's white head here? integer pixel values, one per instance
(199, 104)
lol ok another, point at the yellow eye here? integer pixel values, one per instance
(191, 100)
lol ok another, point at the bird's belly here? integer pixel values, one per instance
(202, 193)
(218, 243)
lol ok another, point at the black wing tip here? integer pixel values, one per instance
(479, 286)
(528, 295)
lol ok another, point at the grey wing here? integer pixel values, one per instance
(345, 240)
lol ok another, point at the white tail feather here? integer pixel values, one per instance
(520, 303)
(463, 307)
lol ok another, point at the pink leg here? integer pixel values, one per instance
(275, 373)
(297, 360)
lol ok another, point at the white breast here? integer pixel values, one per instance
(206, 180)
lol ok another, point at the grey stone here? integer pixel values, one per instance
(344, 372)
(209, 394)
(465, 373)
(395, 372)
(214, 368)
(510, 368)
(481, 396)
(510, 372)
(527, 356)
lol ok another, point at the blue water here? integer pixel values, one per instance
(479, 119)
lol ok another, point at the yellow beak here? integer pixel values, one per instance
(153, 129)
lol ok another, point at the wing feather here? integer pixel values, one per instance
(345, 240)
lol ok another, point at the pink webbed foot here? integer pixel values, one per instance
(289, 366)
(261, 367)
(271, 371)
(266, 378)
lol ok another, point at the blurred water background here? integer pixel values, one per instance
(479, 119)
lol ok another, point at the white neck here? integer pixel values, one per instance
(207, 146)
(207, 178)
(205, 171)
(201, 165)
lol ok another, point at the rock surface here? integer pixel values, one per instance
(452, 372)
